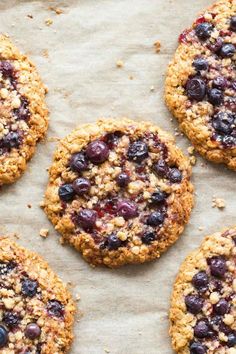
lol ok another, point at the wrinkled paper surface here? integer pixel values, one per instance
(125, 311)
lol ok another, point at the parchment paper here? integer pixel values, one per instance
(125, 311)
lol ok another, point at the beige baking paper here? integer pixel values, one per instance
(125, 311)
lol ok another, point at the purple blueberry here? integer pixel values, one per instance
(11, 319)
(6, 68)
(197, 348)
(217, 266)
(227, 50)
(3, 336)
(216, 46)
(12, 140)
(156, 218)
(161, 168)
(215, 96)
(7, 267)
(223, 122)
(222, 307)
(78, 162)
(66, 192)
(233, 23)
(200, 281)
(194, 304)
(158, 197)
(200, 64)
(148, 237)
(32, 331)
(29, 287)
(113, 242)
(174, 175)
(203, 30)
(55, 308)
(203, 329)
(81, 186)
(97, 152)
(219, 82)
(87, 219)
(138, 151)
(127, 209)
(231, 340)
(23, 113)
(112, 139)
(122, 179)
(196, 89)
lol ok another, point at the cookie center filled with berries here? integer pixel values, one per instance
(14, 109)
(24, 310)
(214, 79)
(117, 189)
(212, 302)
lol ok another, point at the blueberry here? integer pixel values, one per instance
(222, 307)
(216, 46)
(156, 218)
(97, 152)
(203, 30)
(127, 209)
(148, 237)
(223, 122)
(11, 319)
(158, 197)
(138, 151)
(122, 179)
(200, 64)
(6, 68)
(32, 331)
(229, 141)
(217, 266)
(200, 280)
(227, 50)
(194, 304)
(215, 96)
(161, 168)
(112, 139)
(7, 267)
(78, 162)
(3, 336)
(197, 348)
(12, 140)
(174, 175)
(224, 328)
(87, 219)
(22, 113)
(55, 308)
(203, 329)
(219, 82)
(81, 185)
(196, 89)
(231, 340)
(66, 192)
(233, 23)
(113, 242)
(29, 287)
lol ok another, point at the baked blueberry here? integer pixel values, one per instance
(55, 308)
(200, 64)
(156, 218)
(227, 50)
(11, 319)
(200, 281)
(158, 197)
(197, 348)
(161, 168)
(87, 219)
(194, 304)
(233, 23)
(23, 113)
(138, 151)
(148, 237)
(174, 175)
(6, 68)
(217, 266)
(219, 82)
(78, 162)
(66, 192)
(6, 267)
(231, 340)
(204, 30)
(222, 307)
(81, 185)
(29, 287)
(12, 140)
(215, 96)
(113, 242)
(196, 89)
(127, 209)
(3, 336)
(223, 122)
(32, 331)
(203, 329)
(97, 152)
(123, 179)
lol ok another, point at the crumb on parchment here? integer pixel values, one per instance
(218, 203)
(119, 64)
(157, 46)
(44, 233)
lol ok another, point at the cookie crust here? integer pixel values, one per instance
(22, 305)
(24, 116)
(219, 284)
(179, 203)
(195, 116)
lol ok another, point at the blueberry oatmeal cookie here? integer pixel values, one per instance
(36, 310)
(119, 191)
(201, 83)
(202, 315)
(24, 117)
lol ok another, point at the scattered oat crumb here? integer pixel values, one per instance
(48, 21)
(190, 150)
(57, 10)
(131, 77)
(106, 350)
(157, 46)
(53, 139)
(119, 64)
(41, 204)
(44, 233)
(45, 53)
(193, 160)
(218, 203)
(201, 228)
(30, 16)
(62, 242)
(16, 236)
(77, 297)
(152, 88)
(29, 206)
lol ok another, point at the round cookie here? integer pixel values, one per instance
(119, 191)
(24, 117)
(36, 309)
(201, 83)
(202, 315)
